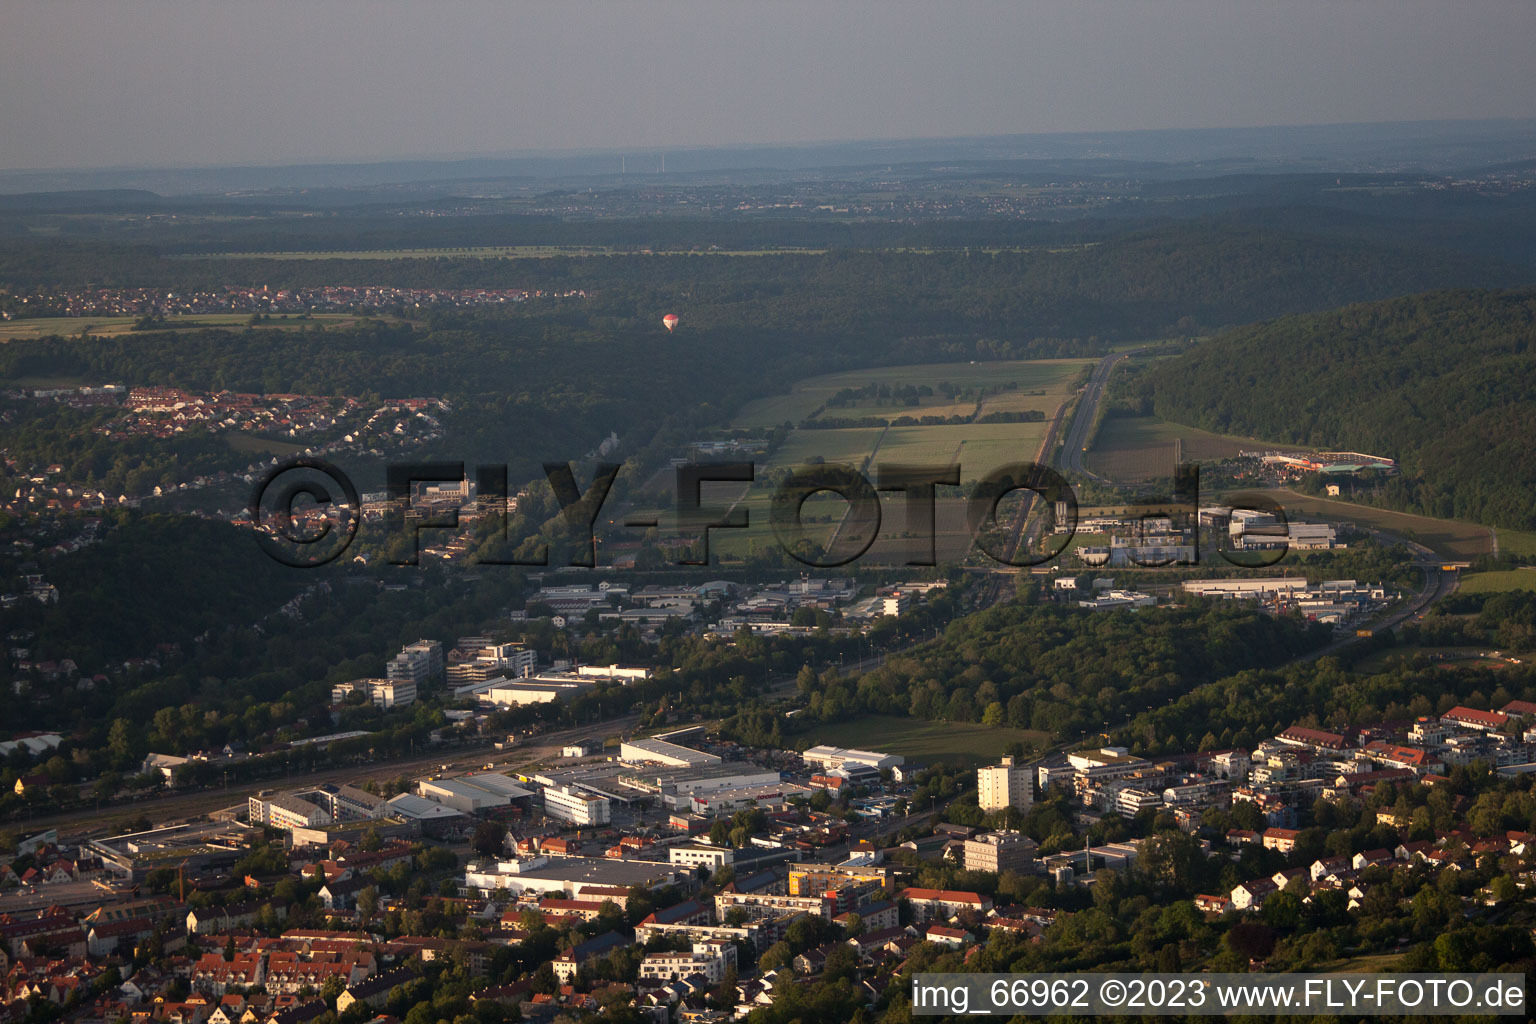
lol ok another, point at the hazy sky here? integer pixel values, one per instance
(155, 82)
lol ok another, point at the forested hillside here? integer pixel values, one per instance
(1444, 382)
(1065, 671)
(1136, 282)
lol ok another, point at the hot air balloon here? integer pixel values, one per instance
(669, 322)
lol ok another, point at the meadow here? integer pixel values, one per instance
(1135, 448)
(958, 743)
(1041, 385)
(1498, 582)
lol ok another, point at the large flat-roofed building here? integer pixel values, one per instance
(1239, 587)
(473, 793)
(576, 806)
(999, 852)
(1005, 785)
(533, 690)
(677, 786)
(618, 672)
(696, 854)
(1104, 763)
(655, 751)
(420, 809)
(825, 757)
(569, 875)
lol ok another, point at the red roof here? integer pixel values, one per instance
(942, 896)
(1475, 717)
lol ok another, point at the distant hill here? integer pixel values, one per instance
(1444, 382)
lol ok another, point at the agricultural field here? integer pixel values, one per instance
(1040, 384)
(958, 743)
(1135, 448)
(1498, 582)
(979, 448)
(1448, 538)
(114, 326)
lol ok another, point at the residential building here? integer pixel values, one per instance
(1005, 785)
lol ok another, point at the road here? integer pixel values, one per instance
(174, 807)
(1087, 411)
(1071, 458)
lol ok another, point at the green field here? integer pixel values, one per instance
(488, 252)
(960, 743)
(114, 326)
(1516, 542)
(1134, 448)
(250, 444)
(1448, 538)
(979, 448)
(1464, 657)
(1498, 582)
(1041, 385)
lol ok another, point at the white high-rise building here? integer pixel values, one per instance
(1005, 785)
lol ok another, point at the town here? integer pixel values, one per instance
(692, 878)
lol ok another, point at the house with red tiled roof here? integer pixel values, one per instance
(928, 904)
(1282, 840)
(1471, 718)
(947, 936)
(1213, 904)
(1394, 755)
(1301, 736)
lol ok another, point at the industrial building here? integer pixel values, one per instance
(541, 689)
(576, 806)
(569, 875)
(826, 757)
(659, 751)
(473, 794)
(676, 787)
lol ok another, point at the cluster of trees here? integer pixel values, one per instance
(1439, 381)
(1253, 704)
(1064, 671)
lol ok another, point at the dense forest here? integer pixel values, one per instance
(1442, 382)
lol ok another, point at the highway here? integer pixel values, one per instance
(1087, 412)
(1071, 458)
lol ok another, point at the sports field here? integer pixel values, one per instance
(1010, 386)
(959, 743)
